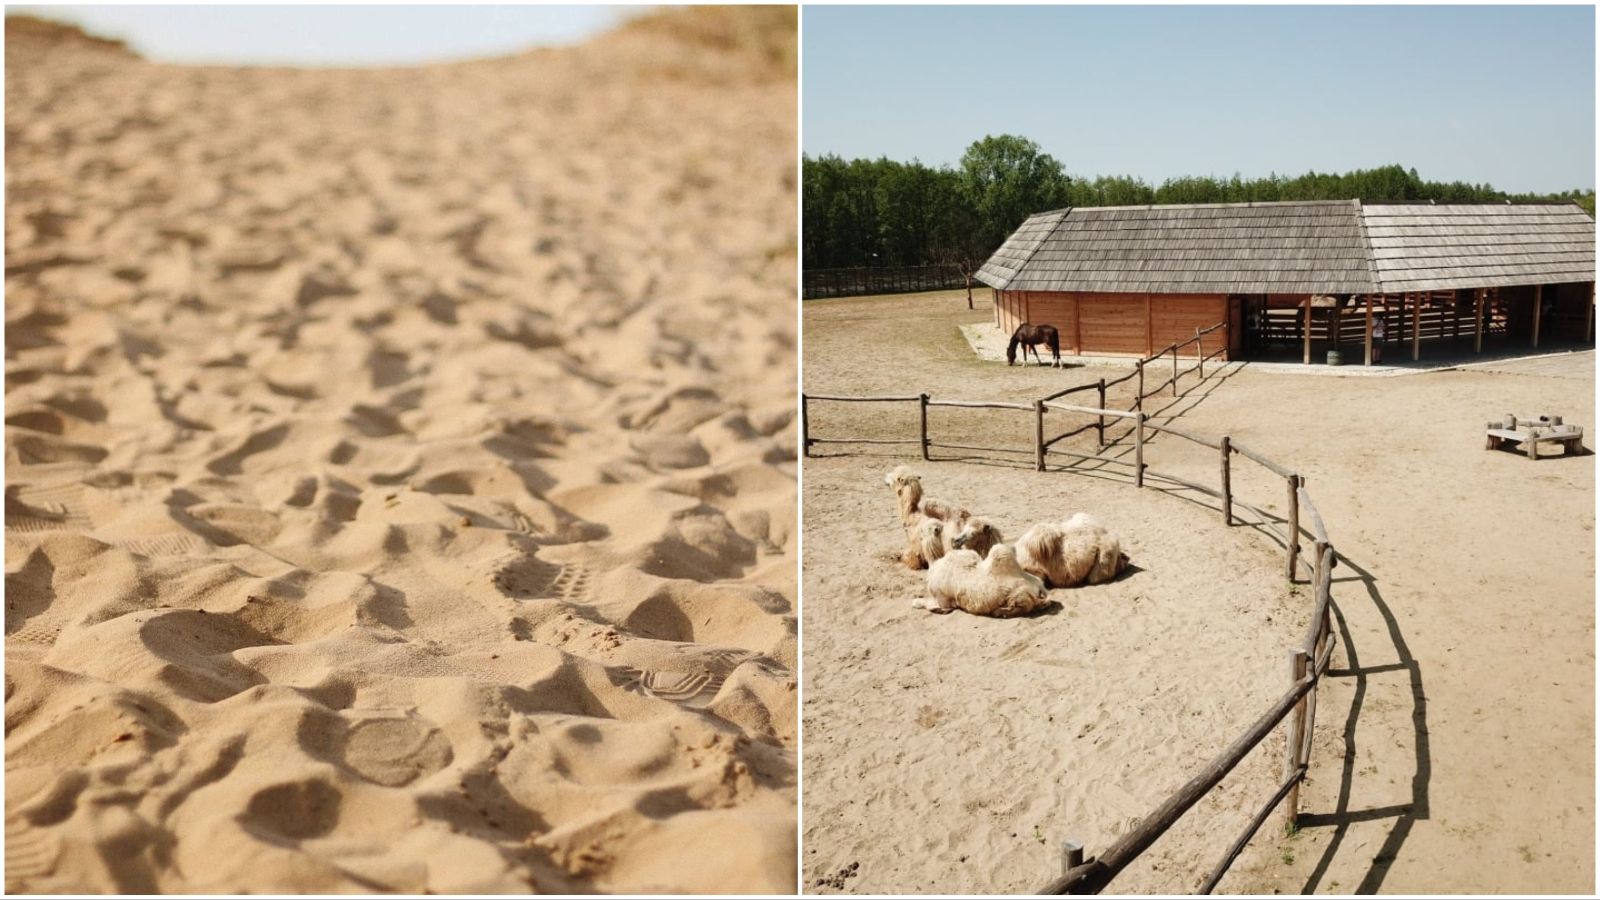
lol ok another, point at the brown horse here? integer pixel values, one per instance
(1030, 336)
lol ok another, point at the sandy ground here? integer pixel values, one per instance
(1457, 725)
(400, 480)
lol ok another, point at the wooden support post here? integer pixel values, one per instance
(1138, 451)
(1538, 301)
(922, 403)
(1038, 435)
(1227, 333)
(1227, 481)
(1455, 315)
(1071, 855)
(1293, 524)
(1100, 420)
(1174, 370)
(1477, 315)
(1416, 327)
(805, 427)
(1369, 331)
(1200, 354)
(1588, 325)
(1307, 329)
(1138, 402)
(1297, 727)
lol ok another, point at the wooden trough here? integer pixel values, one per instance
(1530, 432)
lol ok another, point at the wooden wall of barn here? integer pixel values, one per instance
(1112, 324)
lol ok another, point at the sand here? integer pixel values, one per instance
(400, 484)
(1456, 728)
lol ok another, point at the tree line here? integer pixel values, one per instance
(879, 212)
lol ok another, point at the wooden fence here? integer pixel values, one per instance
(1307, 660)
(820, 283)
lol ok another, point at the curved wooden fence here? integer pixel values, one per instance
(1307, 660)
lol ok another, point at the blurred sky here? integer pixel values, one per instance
(331, 35)
(1500, 94)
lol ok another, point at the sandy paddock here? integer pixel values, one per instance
(1458, 721)
(400, 474)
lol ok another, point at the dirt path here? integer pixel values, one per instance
(1455, 740)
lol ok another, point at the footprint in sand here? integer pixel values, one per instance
(31, 854)
(35, 509)
(692, 679)
(524, 576)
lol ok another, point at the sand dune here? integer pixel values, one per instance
(400, 473)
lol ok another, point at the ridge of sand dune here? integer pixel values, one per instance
(400, 468)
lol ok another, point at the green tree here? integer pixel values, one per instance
(1008, 178)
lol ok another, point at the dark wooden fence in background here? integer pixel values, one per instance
(820, 283)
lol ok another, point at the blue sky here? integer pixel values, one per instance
(1498, 94)
(332, 35)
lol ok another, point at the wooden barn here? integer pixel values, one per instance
(1296, 279)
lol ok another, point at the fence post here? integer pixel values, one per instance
(1100, 421)
(1200, 353)
(1174, 370)
(1038, 435)
(1297, 725)
(1227, 481)
(1294, 524)
(1071, 855)
(805, 427)
(1138, 403)
(922, 402)
(1138, 451)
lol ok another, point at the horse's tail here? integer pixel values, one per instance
(1055, 341)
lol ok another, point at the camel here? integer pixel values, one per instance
(976, 534)
(908, 490)
(983, 586)
(928, 539)
(1067, 554)
(925, 542)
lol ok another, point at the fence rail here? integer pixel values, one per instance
(1308, 658)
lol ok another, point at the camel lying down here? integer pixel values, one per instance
(990, 586)
(930, 539)
(908, 490)
(933, 527)
(1067, 554)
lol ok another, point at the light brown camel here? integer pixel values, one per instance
(1067, 554)
(908, 491)
(989, 586)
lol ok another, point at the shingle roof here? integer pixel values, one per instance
(1420, 248)
(1328, 247)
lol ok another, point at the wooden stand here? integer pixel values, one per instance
(1530, 434)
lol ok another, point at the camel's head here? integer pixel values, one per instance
(900, 476)
(976, 534)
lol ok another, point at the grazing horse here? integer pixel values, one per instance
(1030, 336)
